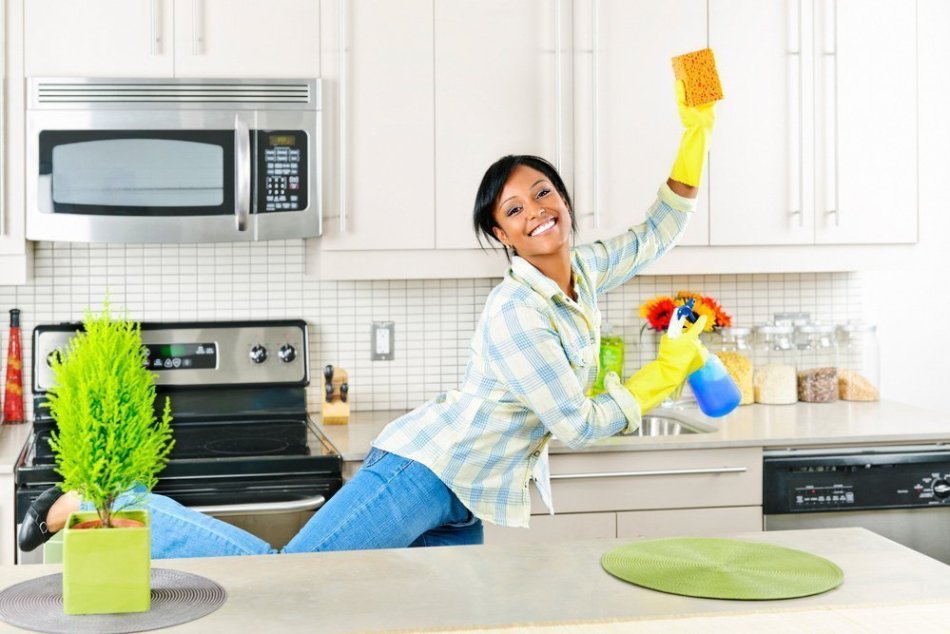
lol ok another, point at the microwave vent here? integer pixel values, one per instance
(181, 92)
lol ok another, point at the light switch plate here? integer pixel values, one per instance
(382, 341)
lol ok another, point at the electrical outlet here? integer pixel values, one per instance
(382, 342)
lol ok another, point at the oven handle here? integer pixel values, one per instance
(242, 172)
(308, 504)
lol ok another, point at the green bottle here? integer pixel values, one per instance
(611, 356)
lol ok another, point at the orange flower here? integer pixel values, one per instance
(658, 312)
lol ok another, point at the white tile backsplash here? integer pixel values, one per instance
(434, 319)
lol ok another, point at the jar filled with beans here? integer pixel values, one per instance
(735, 352)
(817, 363)
(774, 359)
(859, 373)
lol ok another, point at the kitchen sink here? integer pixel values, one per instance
(655, 425)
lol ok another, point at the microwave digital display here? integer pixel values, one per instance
(182, 356)
(283, 139)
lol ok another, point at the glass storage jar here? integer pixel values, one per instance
(734, 349)
(817, 363)
(773, 361)
(859, 373)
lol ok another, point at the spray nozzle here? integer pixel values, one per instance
(680, 315)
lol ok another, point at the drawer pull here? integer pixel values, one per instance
(659, 472)
(307, 504)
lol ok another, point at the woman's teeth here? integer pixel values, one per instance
(542, 228)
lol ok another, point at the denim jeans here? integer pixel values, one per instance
(391, 502)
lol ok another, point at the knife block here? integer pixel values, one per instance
(335, 410)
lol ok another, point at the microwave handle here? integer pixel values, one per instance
(242, 173)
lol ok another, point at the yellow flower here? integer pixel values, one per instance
(701, 308)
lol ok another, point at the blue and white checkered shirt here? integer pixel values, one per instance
(535, 355)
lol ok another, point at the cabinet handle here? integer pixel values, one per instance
(831, 53)
(343, 104)
(796, 54)
(595, 115)
(242, 172)
(155, 27)
(197, 27)
(306, 504)
(637, 474)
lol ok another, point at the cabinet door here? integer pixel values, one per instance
(104, 38)
(627, 109)
(760, 164)
(867, 115)
(555, 528)
(384, 138)
(496, 93)
(689, 522)
(247, 38)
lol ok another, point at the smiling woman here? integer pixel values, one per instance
(468, 455)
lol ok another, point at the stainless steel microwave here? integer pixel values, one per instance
(173, 160)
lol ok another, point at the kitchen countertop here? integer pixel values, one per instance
(768, 426)
(542, 584)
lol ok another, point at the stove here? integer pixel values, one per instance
(244, 444)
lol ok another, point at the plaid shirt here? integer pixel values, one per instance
(535, 355)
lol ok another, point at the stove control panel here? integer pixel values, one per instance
(876, 479)
(201, 353)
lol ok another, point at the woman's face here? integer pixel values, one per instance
(532, 217)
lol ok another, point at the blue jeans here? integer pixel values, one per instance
(391, 502)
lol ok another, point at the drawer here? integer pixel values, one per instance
(639, 480)
(689, 522)
(556, 528)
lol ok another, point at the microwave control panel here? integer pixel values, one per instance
(282, 170)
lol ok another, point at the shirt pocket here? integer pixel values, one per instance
(581, 355)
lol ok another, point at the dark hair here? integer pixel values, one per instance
(494, 181)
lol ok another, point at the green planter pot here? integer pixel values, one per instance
(106, 571)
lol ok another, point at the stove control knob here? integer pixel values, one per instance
(287, 353)
(258, 354)
(941, 488)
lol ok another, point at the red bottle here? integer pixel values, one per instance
(13, 393)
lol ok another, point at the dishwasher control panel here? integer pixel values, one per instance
(796, 483)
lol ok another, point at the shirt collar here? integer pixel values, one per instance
(524, 271)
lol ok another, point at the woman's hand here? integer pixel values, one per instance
(677, 359)
(699, 122)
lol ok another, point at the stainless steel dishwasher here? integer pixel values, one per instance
(902, 493)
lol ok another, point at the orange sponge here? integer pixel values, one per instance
(698, 71)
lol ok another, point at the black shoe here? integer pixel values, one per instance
(33, 530)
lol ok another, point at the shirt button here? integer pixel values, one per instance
(536, 454)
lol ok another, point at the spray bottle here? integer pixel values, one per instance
(716, 392)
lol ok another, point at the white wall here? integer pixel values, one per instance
(911, 304)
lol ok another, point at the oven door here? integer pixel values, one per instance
(171, 173)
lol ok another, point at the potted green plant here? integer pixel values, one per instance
(109, 440)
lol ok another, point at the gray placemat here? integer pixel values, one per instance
(177, 597)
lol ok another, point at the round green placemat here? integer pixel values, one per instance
(722, 568)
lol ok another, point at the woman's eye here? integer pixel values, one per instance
(513, 211)
(543, 193)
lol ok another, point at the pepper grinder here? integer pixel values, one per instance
(13, 392)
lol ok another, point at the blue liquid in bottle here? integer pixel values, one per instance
(715, 390)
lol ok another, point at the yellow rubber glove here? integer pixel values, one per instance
(698, 121)
(677, 359)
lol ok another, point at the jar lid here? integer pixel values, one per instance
(736, 331)
(809, 329)
(857, 326)
(772, 329)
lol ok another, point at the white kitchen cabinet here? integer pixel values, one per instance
(501, 87)
(696, 522)
(16, 254)
(626, 122)
(646, 494)
(380, 192)
(172, 38)
(816, 142)
(555, 528)
(247, 38)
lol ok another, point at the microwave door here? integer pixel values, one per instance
(148, 185)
